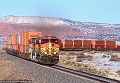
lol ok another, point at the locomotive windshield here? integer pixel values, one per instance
(54, 41)
(32, 40)
(44, 41)
(49, 40)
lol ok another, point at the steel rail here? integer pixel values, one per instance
(87, 75)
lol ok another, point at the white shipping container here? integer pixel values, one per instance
(10, 40)
(19, 39)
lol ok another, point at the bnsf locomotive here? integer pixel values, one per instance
(31, 46)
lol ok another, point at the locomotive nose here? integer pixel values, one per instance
(50, 44)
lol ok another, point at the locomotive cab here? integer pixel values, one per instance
(48, 49)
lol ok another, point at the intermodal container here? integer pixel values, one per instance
(17, 47)
(10, 40)
(19, 39)
(7, 42)
(14, 46)
(77, 44)
(110, 44)
(23, 38)
(28, 35)
(34, 34)
(100, 45)
(86, 44)
(21, 48)
(14, 39)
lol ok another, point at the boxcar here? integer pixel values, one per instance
(87, 44)
(99, 45)
(67, 44)
(77, 44)
(110, 45)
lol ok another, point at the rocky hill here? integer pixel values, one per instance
(62, 28)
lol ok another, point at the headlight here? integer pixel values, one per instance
(54, 52)
(45, 52)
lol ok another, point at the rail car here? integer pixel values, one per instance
(31, 46)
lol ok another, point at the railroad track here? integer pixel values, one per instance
(91, 76)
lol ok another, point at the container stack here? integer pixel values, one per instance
(19, 43)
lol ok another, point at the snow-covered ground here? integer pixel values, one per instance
(103, 62)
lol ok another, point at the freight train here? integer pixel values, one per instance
(45, 50)
(31, 46)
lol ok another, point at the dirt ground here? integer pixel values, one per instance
(10, 72)
(4, 68)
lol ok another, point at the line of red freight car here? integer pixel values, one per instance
(20, 42)
(89, 44)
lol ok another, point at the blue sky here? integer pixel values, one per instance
(99, 11)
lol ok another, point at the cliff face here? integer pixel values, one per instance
(6, 28)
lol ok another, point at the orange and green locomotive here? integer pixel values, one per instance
(46, 50)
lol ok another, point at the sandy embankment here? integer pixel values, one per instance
(4, 68)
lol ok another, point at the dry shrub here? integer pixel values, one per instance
(79, 60)
(66, 62)
(114, 58)
(72, 53)
(62, 53)
(92, 70)
(80, 53)
(104, 56)
(102, 72)
(3, 51)
(118, 72)
(79, 64)
(84, 57)
(92, 52)
(68, 57)
(90, 58)
(72, 63)
(81, 56)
